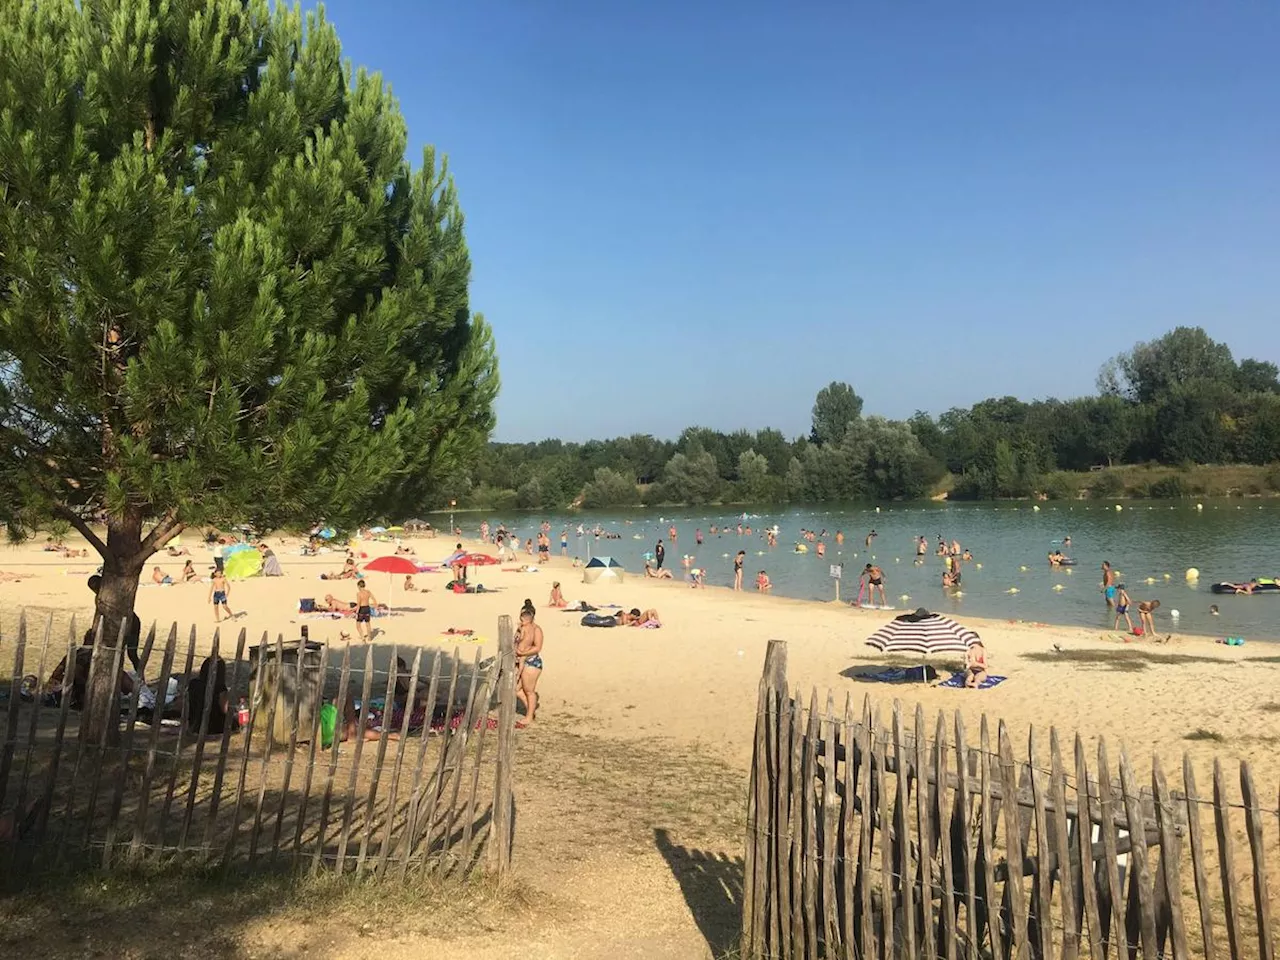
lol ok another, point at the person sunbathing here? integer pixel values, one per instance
(975, 666)
(635, 617)
(158, 576)
(189, 573)
(656, 574)
(348, 571)
(557, 597)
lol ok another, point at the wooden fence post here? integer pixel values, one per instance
(773, 683)
(503, 799)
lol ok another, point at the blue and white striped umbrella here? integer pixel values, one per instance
(923, 635)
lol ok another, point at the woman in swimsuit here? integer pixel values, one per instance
(875, 580)
(529, 669)
(738, 561)
(975, 661)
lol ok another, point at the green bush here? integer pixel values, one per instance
(486, 497)
(1060, 486)
(1273, 477)
(1107, 484)
(1168, 488)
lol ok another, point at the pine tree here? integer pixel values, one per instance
(224, 293)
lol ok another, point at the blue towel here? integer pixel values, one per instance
(956, 681)
(887, 675)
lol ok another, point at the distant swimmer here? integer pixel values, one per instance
(922, 547)
(966, 555)
(1056, 558)
(871, 536)
(822, 549)
(697, 537)
(839, 538)
(1066, 541)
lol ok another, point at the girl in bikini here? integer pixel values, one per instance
(529, 665)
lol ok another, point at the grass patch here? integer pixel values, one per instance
(1123, 660)
(1200, 733)
(98, 912)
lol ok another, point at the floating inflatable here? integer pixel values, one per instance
(1262, 586)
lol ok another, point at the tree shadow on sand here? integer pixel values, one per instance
(712, 887)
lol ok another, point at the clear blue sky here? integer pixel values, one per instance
(700, 213)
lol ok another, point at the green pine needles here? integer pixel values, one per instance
(224, 294)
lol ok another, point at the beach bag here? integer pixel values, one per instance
(307, 605)
(328, 724)
(921, 674)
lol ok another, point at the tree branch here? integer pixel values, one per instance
(162, 532)
(83, 528)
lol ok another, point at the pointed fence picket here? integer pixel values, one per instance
(433, 793)
(874, 840)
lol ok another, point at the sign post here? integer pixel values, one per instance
(837, 570)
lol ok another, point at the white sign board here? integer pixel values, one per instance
(836, 570)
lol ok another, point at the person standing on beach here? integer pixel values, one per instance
(528, 664)
(484, 530)
(1122, 609)
(875, 580)
(564, 542)
(219, 591)
(659, 555)
(365, 602)
(1108, 583)
(738, 561)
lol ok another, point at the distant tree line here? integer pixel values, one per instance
(1179, 400)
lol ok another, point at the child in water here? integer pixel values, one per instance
(763, 583)
(1122, 608)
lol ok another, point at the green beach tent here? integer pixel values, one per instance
(243, 565)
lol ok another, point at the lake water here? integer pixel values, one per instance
(1151, 544)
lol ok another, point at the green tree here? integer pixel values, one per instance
(610, 489)
(1150, 369)
(1258, 376)
(835, 408)
(692, 477)
(753, 474)
(224, 294)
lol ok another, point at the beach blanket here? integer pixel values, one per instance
(921, 674)
(956, 682)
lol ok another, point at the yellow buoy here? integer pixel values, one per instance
(904, 598)
(1069, 571)
(978, 566)
(1058, 586)
(1035, 509)
(1023, 569)
(1012, 590)
(1192, 574)
(1119, 508)
(1168, 577)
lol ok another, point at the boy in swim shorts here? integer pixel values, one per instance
(365, 602)
(219, 591)
(1122, 608)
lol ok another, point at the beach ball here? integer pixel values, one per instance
(1192, 574)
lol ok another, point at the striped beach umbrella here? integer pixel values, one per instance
(923, 633)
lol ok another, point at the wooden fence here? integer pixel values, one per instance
(421, 796)
(871, 840)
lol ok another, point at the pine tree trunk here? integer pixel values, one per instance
(121, 568)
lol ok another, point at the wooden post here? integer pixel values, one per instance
(82, 738)
(1084, 840)
(15, 703)
(435, 786)
(503, 794)
(947, 925)
(1018, 944)
(1226, 861)
(1061, 839)
(348, 808)
(988, 912)
(33, 726)
(411, 701)
(313, 749)
(830, 925)
(962, 841)
(273, 691)
(64, 708)
(1204, 895)
(197, 761)
(183, 726)
(1258, 846)
(756, 857)
(902, 838)
(110, 709)
(126, 747)
(469, 809)
(1112, 917)
(1042, 884)
(1141, 873)
(371, 799)
(344, 678)
(1165, 815)
(866, 834)
(462, 737)
(924, 833)
(411, 812)
(220, 767)
(246, 748)
(299, 673)
(795, 826)
(810, 832)
(887, 826)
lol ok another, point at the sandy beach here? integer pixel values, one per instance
(689, 688)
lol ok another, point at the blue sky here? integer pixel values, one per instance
(700, 213)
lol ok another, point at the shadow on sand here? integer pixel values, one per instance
(712, 887)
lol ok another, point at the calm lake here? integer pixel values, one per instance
(1150, 543)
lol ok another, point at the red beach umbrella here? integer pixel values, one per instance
(391, 566)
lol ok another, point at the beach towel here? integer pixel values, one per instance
(956, 682)
(921, 674)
